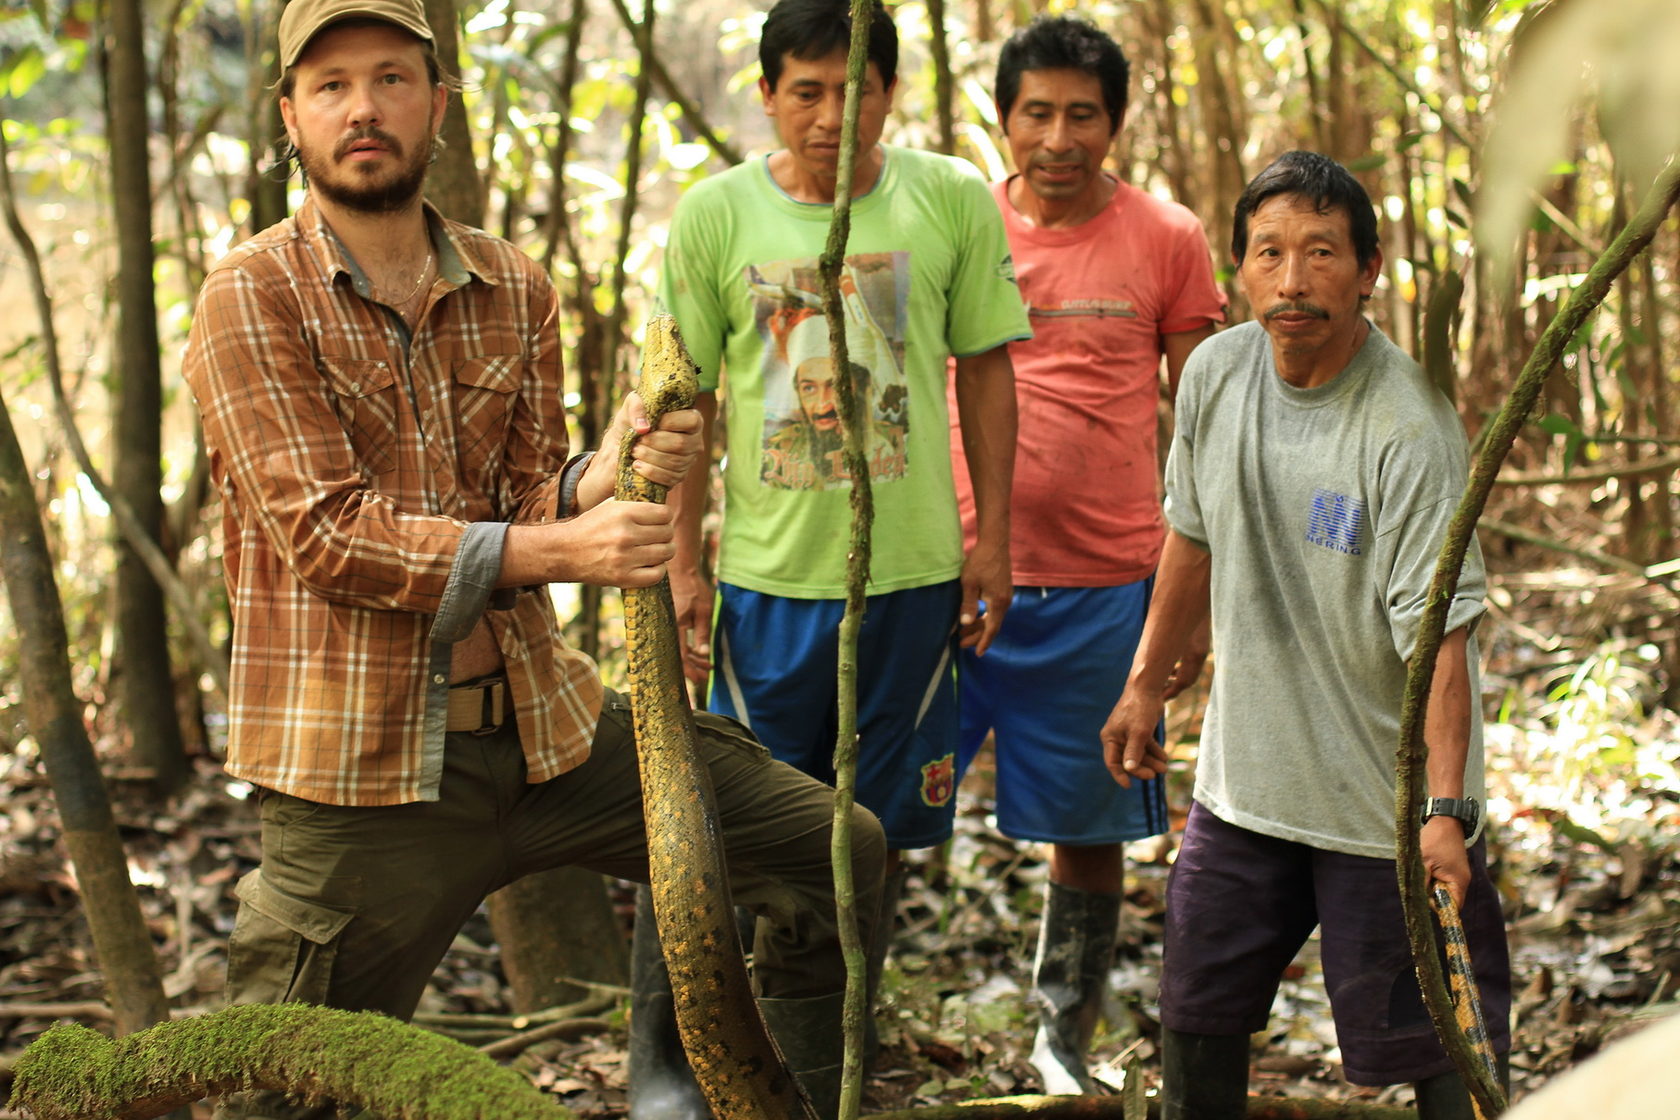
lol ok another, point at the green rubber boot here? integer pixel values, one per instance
(808, 1033)
(1070, 975)
(1203, 1076)
(1445, 1097)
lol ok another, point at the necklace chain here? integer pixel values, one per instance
(425, 269)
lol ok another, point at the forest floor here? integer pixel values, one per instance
(1584, 797)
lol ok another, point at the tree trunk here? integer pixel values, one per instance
(146, 685)
(453, 184)
(127, 960)
(265, 182)
(554, 928)
(944, 87)
(1221, 115)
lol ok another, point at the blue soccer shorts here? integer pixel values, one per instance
(1044, 688)
(776, 670)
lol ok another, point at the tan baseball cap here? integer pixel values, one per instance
(304, 19)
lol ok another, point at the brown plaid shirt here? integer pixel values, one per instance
(368, 479)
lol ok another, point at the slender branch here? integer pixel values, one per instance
(857, 575)
(690, 112)
(1618, 437)
(943, 92)
(632, 180)
(128, 522)
(556, 227)
(560, 1028)
(1626, 470)
(600, 998)
(87, 1009)
(1502, 432)
(1655, 573)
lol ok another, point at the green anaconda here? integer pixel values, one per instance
(734, 1059)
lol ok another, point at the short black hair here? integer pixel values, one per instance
(1063, 43)
(1326, 183)
(814, 29)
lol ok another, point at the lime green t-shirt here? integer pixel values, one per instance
(927, 275)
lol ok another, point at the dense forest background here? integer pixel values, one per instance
(1505, 141)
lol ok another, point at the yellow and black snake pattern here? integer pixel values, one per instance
(735, 1061)
(1461, 977)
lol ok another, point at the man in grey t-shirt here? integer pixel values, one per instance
(1312, 475)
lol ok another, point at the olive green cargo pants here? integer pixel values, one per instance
(353, 907)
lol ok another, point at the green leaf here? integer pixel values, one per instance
(23, 70)
(1581, 834)
(1367, 163)
(1558, 425)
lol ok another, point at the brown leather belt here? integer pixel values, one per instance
(478, 706)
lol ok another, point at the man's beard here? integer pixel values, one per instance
(344, 185)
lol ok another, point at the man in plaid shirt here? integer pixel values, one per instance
(381, 397)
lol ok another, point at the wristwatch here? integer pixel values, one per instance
(1463, 809)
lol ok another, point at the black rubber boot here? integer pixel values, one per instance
(662, 1086)
(1203, 1076)
(1445, 1097)
(808, 1033)
(1075, 950)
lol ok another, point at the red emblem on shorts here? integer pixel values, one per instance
(939, 781)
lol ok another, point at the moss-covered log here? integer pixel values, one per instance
(394, 1069)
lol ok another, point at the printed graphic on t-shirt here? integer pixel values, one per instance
(803, 440)
(1336, 522)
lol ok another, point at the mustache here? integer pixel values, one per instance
(367, 132)
(1296, 307)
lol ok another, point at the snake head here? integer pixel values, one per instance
(669, 378)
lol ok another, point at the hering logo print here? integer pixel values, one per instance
(1336, 522)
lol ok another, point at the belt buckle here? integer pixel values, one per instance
(494, 707)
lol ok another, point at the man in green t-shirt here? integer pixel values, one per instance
(928, 277)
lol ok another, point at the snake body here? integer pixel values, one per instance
(735, 1062)
(1467, 1004)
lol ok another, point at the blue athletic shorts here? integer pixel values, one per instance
(775, 669)
(1241, 904)
(1044, 688)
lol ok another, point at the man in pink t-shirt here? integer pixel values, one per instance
(1115, 279)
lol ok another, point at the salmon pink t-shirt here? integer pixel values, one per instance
(1086, 510)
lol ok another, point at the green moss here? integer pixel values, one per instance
(394, 1069)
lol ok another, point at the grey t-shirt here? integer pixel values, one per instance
(1324, 511)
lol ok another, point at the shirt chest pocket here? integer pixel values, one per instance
(485, 387)
(365, 395)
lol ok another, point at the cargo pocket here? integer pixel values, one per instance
(282, 948)
(730, 733)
